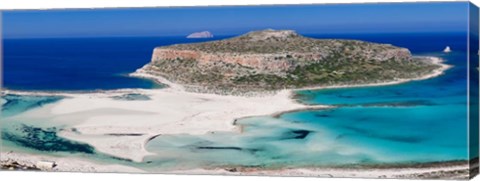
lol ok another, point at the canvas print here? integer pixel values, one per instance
(378, 90)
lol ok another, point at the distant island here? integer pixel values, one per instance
(203, 34)
(271, 60)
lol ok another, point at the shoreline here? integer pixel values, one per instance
(62, 164)
(101, 130)
(431, 170)
(457, 169)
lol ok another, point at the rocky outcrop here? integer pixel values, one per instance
(9, 164)
(274, 59)
(203, 34)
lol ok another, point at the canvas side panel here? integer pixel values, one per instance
(1, 79)
(474, 52)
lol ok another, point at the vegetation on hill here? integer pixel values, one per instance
(305, 62)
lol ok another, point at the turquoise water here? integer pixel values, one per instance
(340, 136)
(34, 135)
(376, 128)
(16, 104)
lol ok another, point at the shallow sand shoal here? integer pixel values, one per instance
(121, 128)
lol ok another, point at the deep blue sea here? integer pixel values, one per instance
(80, 64)
(419, 121)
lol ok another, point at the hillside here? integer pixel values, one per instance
(277, 59)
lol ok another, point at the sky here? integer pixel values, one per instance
(232, 20)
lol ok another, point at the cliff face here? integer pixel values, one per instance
(270, 59)
(262, 62)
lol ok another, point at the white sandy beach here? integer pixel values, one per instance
(121, 128)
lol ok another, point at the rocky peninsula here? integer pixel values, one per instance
(271, 60)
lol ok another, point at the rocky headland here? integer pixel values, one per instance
(271, 60)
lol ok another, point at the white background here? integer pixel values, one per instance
(48, 4)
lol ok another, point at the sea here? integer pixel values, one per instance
(414, 122)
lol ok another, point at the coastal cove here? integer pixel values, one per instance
(296, 132)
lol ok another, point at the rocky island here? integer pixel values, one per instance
(203, 34)
(282, 59)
